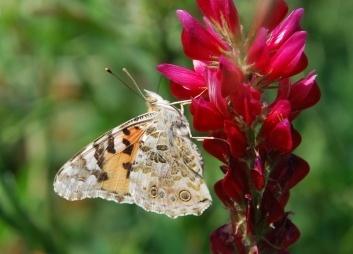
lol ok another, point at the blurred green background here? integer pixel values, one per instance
(55, 97)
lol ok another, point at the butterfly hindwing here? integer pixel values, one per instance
(167, 176)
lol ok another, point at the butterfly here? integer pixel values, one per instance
(149, 161)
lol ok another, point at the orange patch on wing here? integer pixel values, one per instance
(116, 164)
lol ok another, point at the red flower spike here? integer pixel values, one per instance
(222, 240)
(304, 93)
(227, 87)
(285, 29)
(231, 77)
(222, 12)
(206, 116)
(236, 139)
(289, 58)
(257, 174)
(198, 43)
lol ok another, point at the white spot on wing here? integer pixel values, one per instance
(91, 180)
(69, 170)
(119, 145)
(91, 162)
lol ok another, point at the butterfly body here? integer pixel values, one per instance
(149, 160)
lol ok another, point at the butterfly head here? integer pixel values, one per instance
(155, 101)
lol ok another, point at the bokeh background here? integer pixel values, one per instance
(55, 97)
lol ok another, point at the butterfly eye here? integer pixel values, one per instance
(185, 195)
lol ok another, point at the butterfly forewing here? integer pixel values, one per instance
(102, 169)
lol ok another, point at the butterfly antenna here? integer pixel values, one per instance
(121, 80)
(134, 82)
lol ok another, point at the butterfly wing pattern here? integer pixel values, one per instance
(149, 161)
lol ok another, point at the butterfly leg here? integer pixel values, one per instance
(182, 104)
(206, 138)
(186, 102)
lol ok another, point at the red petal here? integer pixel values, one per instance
(271, 208)
(231, 76)
(283, 197)
(298, 64)
(290, 171)
(221, 10)
(291, 235)
(285, 29)
(198, 43)
(214, 92)
(220, 192)
(296, 137)
(258, 53)
(217, 148)
(269, 13)
(288, 57)
(305, 93)
(206, 116)
(183, 76)
(232, 188)
(280, 139)
(222, 240)
(284, 234)
(182, 93)
(246, 102)
(280, 110)
(283, 90)
(279, 11)
(235, 182)
(236, 138)
(200, 67)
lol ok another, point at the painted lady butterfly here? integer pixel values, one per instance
(149, 160)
